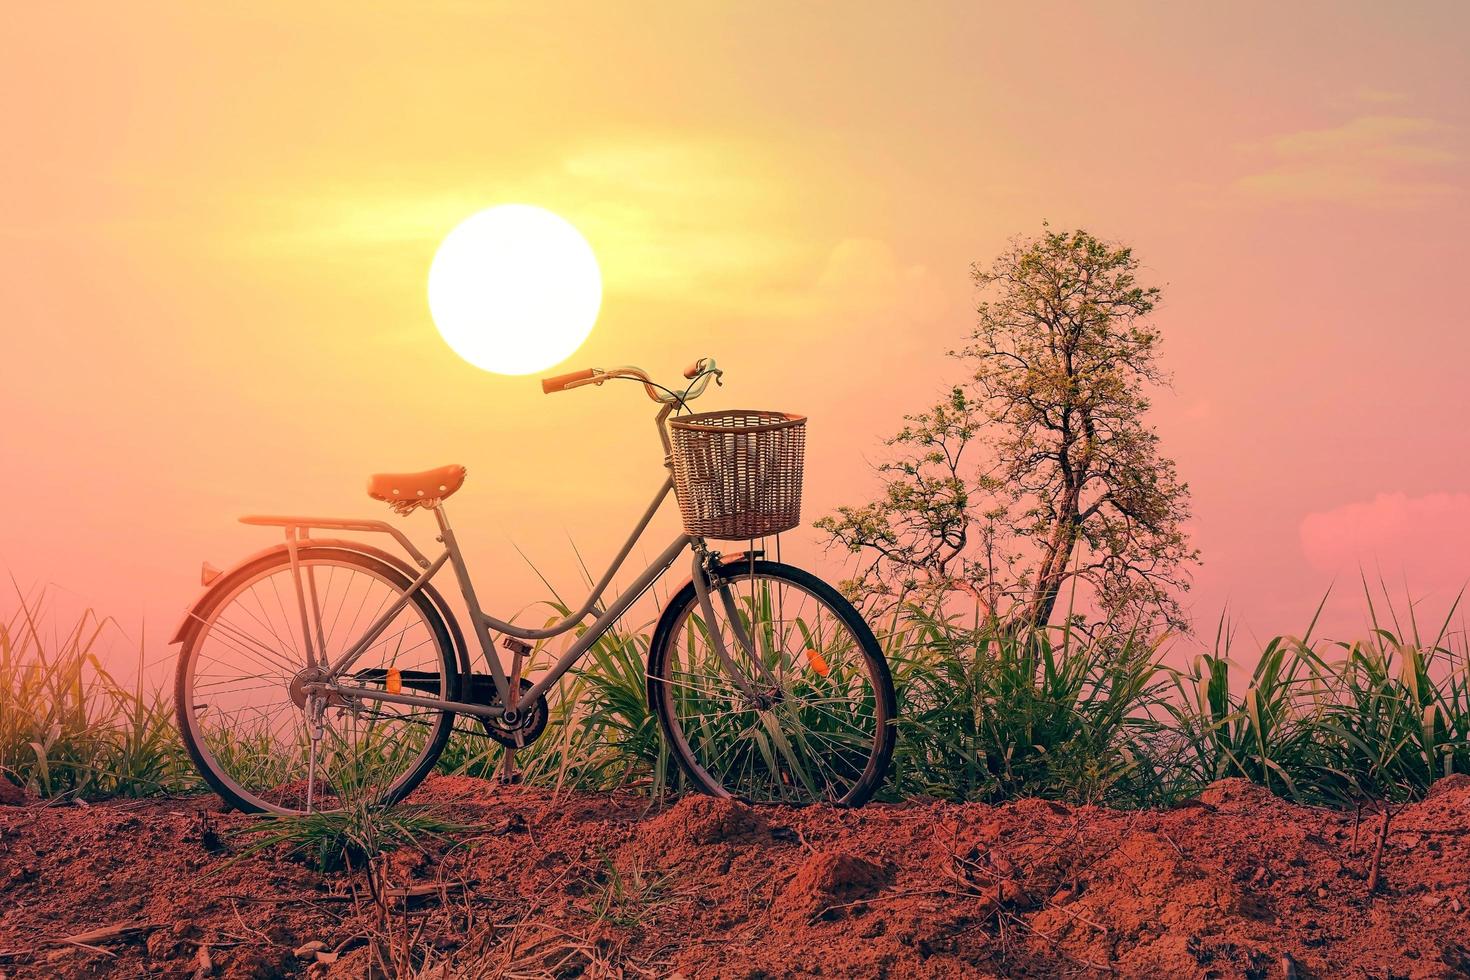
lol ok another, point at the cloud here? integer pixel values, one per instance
(1369, 95)
(697, 220)
(864, 278)
(1425, 538)
(1385, 161)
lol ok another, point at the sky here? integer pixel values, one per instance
(216, 227)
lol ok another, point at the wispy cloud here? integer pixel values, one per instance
(1369, 95)
(1385, 161)
(699, 218)
(1423, 538)
(692, 218)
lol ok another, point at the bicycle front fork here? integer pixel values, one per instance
(707, 577)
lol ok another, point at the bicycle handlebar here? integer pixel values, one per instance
(700, 372)
(561, 381)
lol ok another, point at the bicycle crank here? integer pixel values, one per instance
(519, 728)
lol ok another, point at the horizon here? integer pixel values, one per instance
(216, 245)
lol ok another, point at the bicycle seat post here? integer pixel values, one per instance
(519, 650)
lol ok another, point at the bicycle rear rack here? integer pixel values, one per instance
(294, 524)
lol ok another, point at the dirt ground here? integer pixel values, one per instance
(1235, 884)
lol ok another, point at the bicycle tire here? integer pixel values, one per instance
(662, 689)
(230, 586)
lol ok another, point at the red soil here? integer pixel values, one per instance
(1237, 883)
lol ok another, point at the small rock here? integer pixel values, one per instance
(1013, 893)
(1430, 901)
(1456, 906)
(308, 951)
(203, 963)
(161, 944)
(1321, 892)
(354, 964)
(21, 875)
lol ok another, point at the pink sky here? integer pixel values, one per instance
(215, 230)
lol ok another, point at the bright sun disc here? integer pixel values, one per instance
(514, 289)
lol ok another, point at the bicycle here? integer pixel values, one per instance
(323, 667)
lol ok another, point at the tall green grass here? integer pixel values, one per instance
(985, 714)
(68, 727)
(1329, 722)
(988, 713)
(601, 733)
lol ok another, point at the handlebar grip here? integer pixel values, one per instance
(692, 371)
(560, 381)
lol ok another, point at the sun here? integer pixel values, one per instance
(514, 289)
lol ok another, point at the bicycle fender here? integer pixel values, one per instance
(193, 616)
(739, 558)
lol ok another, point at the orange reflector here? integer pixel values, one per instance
(395, 681)
(817, 662)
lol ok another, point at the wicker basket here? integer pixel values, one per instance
(737, 473)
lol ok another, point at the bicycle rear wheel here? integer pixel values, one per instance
(814, 722)
(248, 725)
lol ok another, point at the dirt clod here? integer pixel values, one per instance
(829, 880)
(11, 794)
(710, 821)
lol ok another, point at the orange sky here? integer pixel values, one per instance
(215, 230)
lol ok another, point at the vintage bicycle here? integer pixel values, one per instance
(322, 666)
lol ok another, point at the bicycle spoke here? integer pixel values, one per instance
(240, 707)
(809, 724)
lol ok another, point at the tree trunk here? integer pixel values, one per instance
(1053, 571)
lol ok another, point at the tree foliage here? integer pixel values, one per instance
(1038, 471)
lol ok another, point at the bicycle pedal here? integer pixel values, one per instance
(515, 645)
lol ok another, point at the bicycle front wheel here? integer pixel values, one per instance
(812, 722)
(263, 743)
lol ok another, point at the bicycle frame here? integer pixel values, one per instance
(484, 624)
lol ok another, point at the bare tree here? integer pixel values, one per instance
(1039, 468)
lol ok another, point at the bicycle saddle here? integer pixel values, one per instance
(407, 490)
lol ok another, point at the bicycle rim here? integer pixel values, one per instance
(251, 729)
(811, 727)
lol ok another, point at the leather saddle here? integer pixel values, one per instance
(405, 491)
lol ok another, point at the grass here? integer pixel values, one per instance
(988, 714)
(1330, 722)
(601, 732)
(68, 728)
(353, 835)
(1068, 713)
(625, 897)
